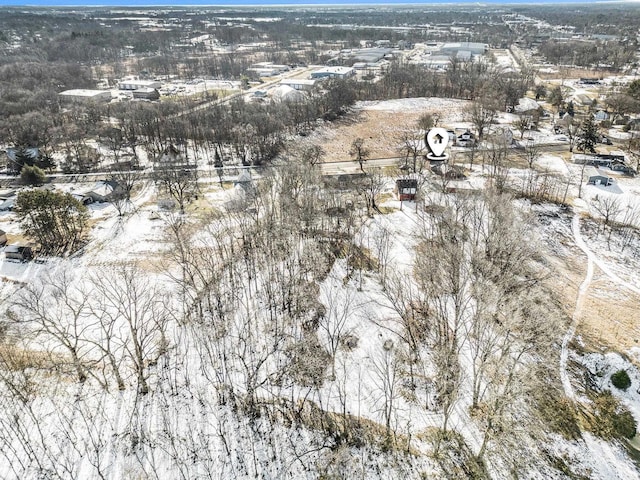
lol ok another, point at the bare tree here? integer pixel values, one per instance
(115, 141)
(581, 178)
(371, 186)
(383, 243)
(412, 148)
(427, 121)
(180, 181)
(129, 298)
(609, 208)
(495, 155)
(124, 180)
(532, 153)
(359, 152)
(337, 310)
(482, 113)
(620, 104)
(523, 123)
(312, 155)
(517, 358)
(54, 311)
(627, 226)
(633, 148)
(387, 379)
(443, 274)
(572, 129)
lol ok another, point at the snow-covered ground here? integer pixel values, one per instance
(184, 430)
(450, 109)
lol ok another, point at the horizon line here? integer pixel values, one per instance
(293, 3)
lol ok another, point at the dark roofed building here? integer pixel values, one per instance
(407, 188)
(146, 94)
(600, 180)
(18, 252)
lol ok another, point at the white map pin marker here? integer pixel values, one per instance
(438, 139)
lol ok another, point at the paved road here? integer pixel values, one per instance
(353, 167)
(263, 86)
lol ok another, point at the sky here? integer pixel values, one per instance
(133, 3)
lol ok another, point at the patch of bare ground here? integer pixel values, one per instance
(567, 274)
(381, 126)
(562, 259)
(610, 317)
(380, 130)
(564, 73)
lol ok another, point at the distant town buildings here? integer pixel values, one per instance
(305, 84)
(463, 49)
(83, 95)
(146, 94)
(334, 72)
(137, 84)
(268, 69)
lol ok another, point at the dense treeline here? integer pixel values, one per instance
(53, 50)
(612, 19)
(237, 131)
(468, 80)
(588, 54)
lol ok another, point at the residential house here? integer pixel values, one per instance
(466, 139)
(597, 159)
(618, 166)
(13, 165)
(583, 100)
(100, 192)
(600, 116)
(407, 188)
(284, 93)
(601, 180)
(6, 194)
(18, 252)
(171, 157)
(527, 106)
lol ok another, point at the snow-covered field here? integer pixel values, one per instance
(211, 344)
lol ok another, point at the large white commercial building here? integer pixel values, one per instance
(82, 95)
(334, 72)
